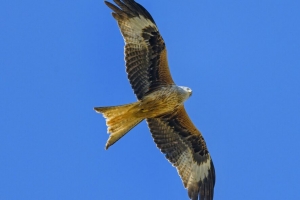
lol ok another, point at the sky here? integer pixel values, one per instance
(59, 59)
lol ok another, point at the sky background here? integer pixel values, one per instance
(59, 59)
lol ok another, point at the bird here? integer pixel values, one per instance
(159, 101)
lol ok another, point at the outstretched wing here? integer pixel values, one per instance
(145, 50)
(181, 142)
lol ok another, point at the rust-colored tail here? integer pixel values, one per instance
(119, 120)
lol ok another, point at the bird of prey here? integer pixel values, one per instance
(160, 102)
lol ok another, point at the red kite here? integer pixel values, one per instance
(160, 102)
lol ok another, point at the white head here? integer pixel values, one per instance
(187, 89)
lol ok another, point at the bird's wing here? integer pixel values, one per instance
(177, 137)
(145, 50)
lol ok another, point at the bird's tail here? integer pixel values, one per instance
(119, 120)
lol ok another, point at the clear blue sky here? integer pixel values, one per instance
(59, 59)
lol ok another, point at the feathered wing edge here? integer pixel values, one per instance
(145, 50)
(185, 148)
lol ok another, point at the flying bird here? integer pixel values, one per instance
(160, 102)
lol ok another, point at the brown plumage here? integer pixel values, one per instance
(160, 102)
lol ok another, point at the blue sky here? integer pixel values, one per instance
(59, 59)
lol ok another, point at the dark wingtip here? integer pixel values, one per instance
(128, 8)
(193, 193)
(107, 3)
(113, 7)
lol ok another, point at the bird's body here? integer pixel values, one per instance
(160, 102)
(163, 100)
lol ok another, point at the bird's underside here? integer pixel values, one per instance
(160, 102)
(156, 104)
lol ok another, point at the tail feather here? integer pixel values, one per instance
(119, 120)
(110, 111)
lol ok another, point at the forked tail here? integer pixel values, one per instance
(119, 120)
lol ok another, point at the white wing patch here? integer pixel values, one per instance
(199, 172)
(133, 28)
(187, 167)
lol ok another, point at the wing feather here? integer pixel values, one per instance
(181, 142)
(145, 50)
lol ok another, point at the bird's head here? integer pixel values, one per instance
(187, 89)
